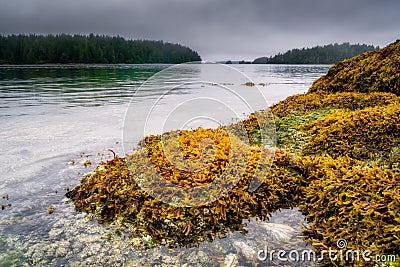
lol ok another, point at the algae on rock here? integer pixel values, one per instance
(373, 71)
(337, 160)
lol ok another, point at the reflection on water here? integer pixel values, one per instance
(50, 115)
(70, 86)
(91, 85)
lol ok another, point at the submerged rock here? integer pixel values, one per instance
(231, 260)
(276, 231)
(244, 250)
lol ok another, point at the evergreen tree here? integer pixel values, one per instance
(327, 54)
(34, 49)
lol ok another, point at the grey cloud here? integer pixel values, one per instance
(217, 29)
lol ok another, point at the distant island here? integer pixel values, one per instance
(327, 54)
(65, 49)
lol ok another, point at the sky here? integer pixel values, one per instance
(216, 29)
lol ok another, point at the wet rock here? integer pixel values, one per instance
(277, 231)
(231, 260)
(245, 250)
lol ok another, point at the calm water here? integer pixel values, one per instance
(51, 115)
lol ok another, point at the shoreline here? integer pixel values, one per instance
(318, 123)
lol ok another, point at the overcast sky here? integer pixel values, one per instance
(217, 29)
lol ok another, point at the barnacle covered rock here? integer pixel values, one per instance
(374, 71)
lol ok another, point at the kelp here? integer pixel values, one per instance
(303, 104)
(340, 165)
(206, 153)
(295, 113)
(370, 133)
(196, 158)
(374, 71)
(111, 195)
(354, 201)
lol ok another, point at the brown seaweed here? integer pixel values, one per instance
(340, 166)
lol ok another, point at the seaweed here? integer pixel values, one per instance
(303, 104)
(111, 195)
(354, 201)
(374, 71)
(338, 160)
(365, 134)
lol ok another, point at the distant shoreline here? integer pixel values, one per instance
(66, 49)
(327, 54)
(138, 64)
(79, 64)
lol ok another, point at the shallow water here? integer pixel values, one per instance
(51, 115)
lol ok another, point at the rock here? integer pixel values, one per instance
(245, 250)
(277, 231)
(231, 260)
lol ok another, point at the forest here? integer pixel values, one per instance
(327, 54)
(63, 49)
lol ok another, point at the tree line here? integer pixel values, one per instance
(63, 48)
(327, 54)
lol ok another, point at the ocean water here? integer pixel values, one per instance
(54, 118)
